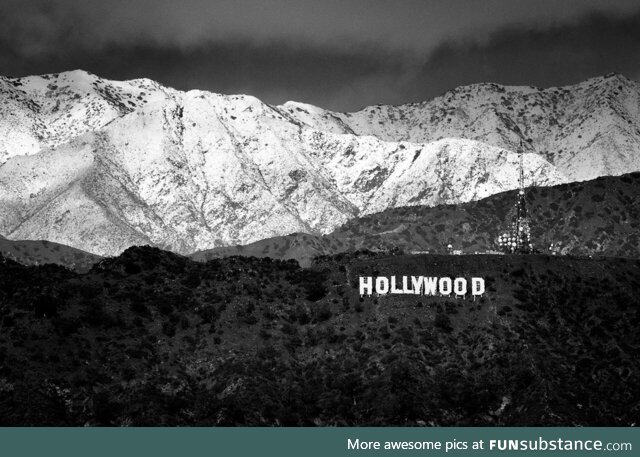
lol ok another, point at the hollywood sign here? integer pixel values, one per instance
(421, 285)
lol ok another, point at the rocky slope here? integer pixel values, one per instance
(102, 165)
(106, 165)
(593, 218)
(587, 130)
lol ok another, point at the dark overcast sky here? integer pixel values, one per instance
(339, 54)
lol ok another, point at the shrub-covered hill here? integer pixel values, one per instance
(598, 218)
(40, 252)
(152, 338)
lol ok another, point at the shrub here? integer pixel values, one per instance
(139, 308)
(45, 306)
(250, 319)
(301, 315)
(315, 291)
(207, 313)
(132, 268)
(169, 329)
(443, 322)
(322, 313)
(192, 280)
(65, 326)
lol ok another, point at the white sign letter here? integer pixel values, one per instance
(366, 285)
(445, 286)
(430, 286)
(382, 285)
(477, 286)
(460, 286)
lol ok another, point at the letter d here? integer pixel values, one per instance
(477, 286)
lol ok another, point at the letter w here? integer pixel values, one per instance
(430, 285)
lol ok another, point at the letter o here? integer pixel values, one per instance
(382, 285)
(460, 286)
(441, 285)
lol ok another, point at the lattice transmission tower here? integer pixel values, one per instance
(516, 239)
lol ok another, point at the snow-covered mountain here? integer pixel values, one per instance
(587, 130)
(102, 165)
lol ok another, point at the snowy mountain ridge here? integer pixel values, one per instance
(102, 165)
(587, 130)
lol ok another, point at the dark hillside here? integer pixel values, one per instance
(597, 218)
(153, 338)
(40, 252)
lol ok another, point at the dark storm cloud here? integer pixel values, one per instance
(399, 25)
(553, 56)
(273, 72)
(337, 54)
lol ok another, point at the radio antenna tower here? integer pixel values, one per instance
(521, 156)
(517, 238)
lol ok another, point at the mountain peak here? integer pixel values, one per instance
(102, 165)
